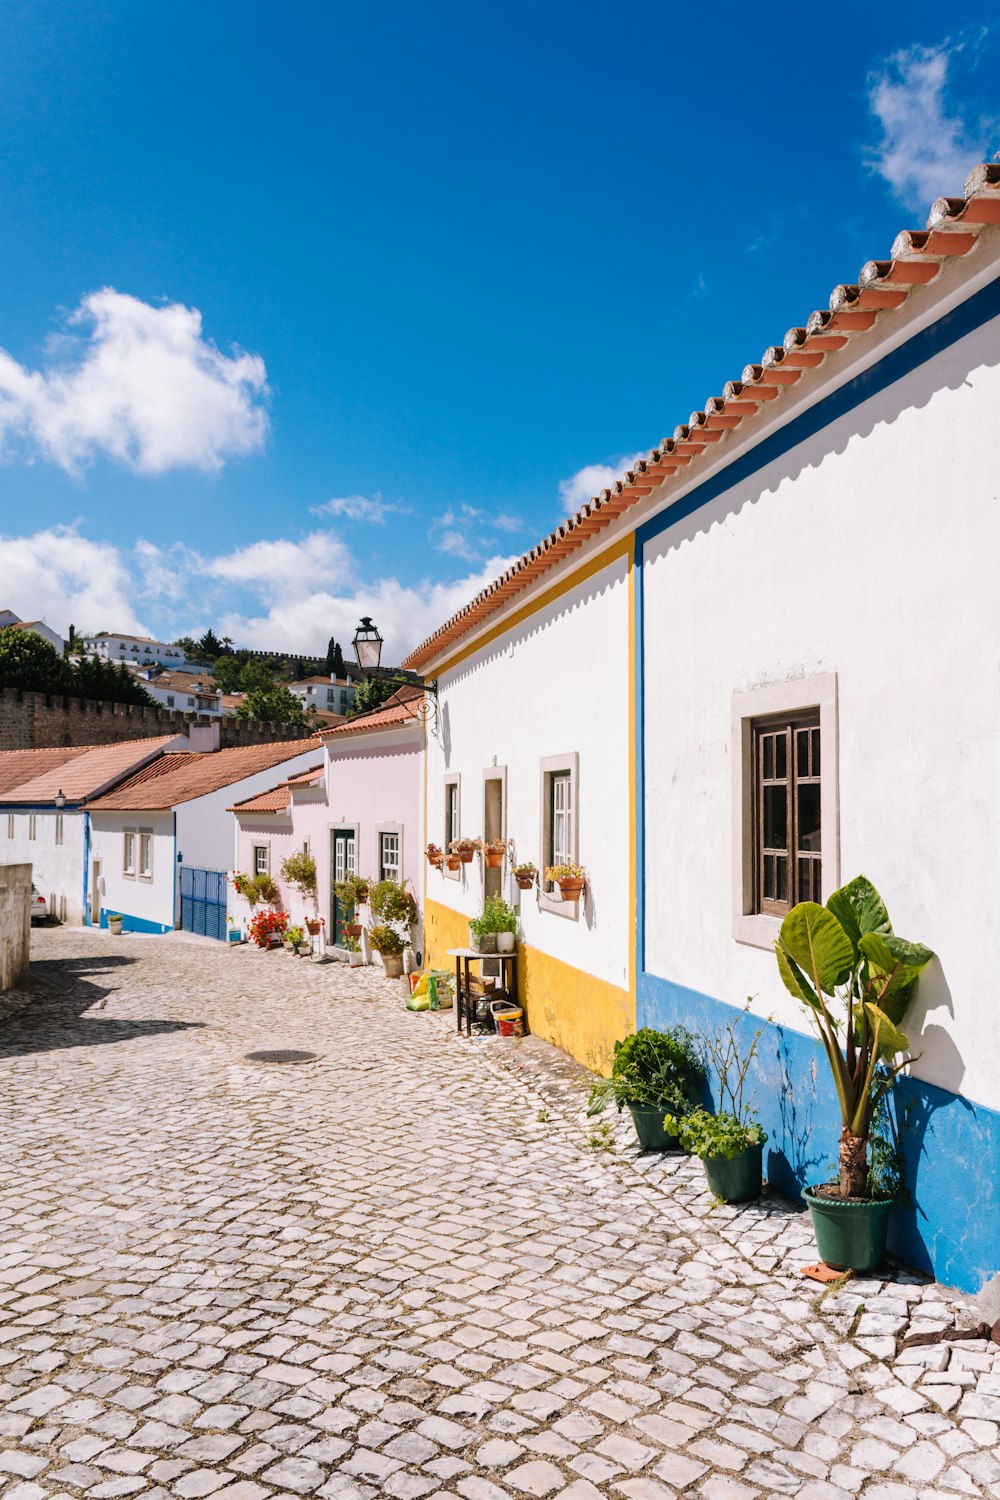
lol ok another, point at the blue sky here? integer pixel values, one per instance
(450, 261)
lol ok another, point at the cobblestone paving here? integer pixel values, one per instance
(399, 1269)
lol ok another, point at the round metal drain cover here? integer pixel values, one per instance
(286, 1055)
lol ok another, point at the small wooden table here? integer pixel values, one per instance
(465, 1003)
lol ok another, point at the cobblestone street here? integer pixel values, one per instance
(409, 1267)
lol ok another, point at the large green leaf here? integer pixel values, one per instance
(886, 1038)
(815, 939)
(794, 980)
(859, 908)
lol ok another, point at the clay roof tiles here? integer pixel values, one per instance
(184, 776)
(278, 798)
(87, 770)
(953, 226)
(402, 708)
(17, 766)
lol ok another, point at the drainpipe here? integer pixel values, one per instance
(86, 868)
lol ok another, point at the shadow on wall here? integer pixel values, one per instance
(61, 1018)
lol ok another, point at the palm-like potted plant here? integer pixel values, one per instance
(730, 1142)
(570, 879)
(652, 1073)
(857, 978)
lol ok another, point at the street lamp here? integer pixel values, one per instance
(367, 645)
(60, 799)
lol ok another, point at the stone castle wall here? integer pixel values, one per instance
(32, 721)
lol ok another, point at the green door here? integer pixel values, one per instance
(342, 863)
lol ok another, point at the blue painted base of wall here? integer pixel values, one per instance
(136, 924)
(949, 1223)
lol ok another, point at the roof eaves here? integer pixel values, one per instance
(953, 227)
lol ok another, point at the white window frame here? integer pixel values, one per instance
(389, 830)
(129, 851)
(145, 871)
(551, 766)
(59, 827)
(259, 849)
(453, 779)
(759, 929)
(32, 827)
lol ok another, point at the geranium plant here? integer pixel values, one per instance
(265, 925)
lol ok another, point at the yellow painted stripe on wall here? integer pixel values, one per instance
(625, 547)
(564, 1005)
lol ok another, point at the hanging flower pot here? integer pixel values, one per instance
(434, 855)
(465, 849)
(453, 861)
(353, 929)
(312, 926)
(525, 876)
(570, 879)
(494, 851)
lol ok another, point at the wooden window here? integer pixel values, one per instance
(451, 828)
(261, 859)
(388, 856)
(128, 852)
(786, 815)
(561, 819)
(145, 854)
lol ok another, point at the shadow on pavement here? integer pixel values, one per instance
(56, 1017)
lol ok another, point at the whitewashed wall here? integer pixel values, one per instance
(57, 869)
(871, 551)
(558, 683)
(149, 900)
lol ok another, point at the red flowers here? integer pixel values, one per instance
(265, 924)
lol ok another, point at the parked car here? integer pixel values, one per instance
(39, 906)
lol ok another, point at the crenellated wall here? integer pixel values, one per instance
(31, 721)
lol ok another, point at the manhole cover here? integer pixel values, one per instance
(286, 1055)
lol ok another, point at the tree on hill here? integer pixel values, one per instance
(209, 647)
(28, 662)
(335, 666)
(273, 704)
(228, 674)
(371, 692)
(187, 644)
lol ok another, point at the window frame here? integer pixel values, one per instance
(389, 831)
(58, 827)
(264, 849)
(144, 873)
(786, 726)
(553, 767)
(129, 838)
(452, 783)
(752, 709)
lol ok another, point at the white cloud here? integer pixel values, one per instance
(284, 570)
(926, 148)
(589, 481)
(372, 509)
(465, 532)
(60, 577)
(140, 385)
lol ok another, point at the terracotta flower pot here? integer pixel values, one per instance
(570, 890)
(494, 858)
(362, 889)
(312, 927)
(453, 861)
(353, 929)
(525, 881)
(465, 856)
(392, 963)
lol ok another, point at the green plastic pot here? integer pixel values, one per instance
(850, 1232)
(648, 1122)
(736, 1179)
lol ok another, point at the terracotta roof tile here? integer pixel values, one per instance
(275, 801)
(90, 769)
(17, 766)
(184, 776)
(953, 227)
(402, 708)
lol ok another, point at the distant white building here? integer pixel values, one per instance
(189, 692)
(37, 627)
(328, 695)
(133, 650)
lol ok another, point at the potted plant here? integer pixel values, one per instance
(525, 875)
(389, 945)
(267, 929)
(391, 901)
(435, 856)
(730, 1143)
(652, 1072)
(570, 879)
(845, 963)
(299, 869)
(115, 920)
(354, 955)
(493, 853)
(293, 937)
(314, 925)
(453, 861)
(349, 931)
(496, 921)
(265, 888)
(465, 849)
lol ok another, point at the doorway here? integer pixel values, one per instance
(343, 862)
(493, 828)
(95, 893)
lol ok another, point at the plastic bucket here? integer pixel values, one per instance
(648, 1122)
(850, 1233)
(736, 1179)
(508, 1019)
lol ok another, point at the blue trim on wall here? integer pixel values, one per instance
(950, 1224)
(135, 924)
(86, 868)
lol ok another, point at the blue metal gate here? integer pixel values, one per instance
(203, 902)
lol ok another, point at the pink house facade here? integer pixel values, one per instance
(361, 813)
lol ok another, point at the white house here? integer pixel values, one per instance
(44, 799)
(189, 692)
(162, 842)
(138, 650)
(38, 627)
(792, 607)
(330, 695)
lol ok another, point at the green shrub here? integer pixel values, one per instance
(704, 1134)
(299, 869)
(390, 901)
(496, 916)
(386, 940)
(654, 1069)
